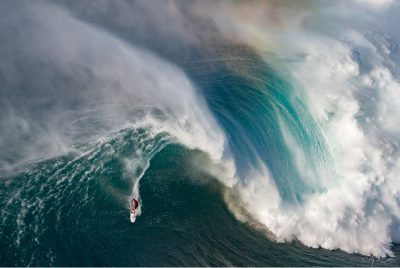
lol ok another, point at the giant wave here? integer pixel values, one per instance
(296, 121)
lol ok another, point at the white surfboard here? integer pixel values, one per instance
(133, 216)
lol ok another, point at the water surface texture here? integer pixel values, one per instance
(253, 133)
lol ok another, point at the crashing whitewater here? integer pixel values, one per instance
(308, 145)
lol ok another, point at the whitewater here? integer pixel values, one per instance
(274, 121)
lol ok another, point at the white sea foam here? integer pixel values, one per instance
(347, 74)
(348, 79)
(107, 78)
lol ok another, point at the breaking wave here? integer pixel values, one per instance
(303, 140)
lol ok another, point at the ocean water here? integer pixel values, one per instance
(271, 143)
(185, 221)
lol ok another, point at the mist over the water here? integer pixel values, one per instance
(66, 80)
(291, 107)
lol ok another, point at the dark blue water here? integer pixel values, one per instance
(72, 210)
(185, 221)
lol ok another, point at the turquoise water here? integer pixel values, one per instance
(93, 113)
(72, 210)
(184, 223)
(252, 107)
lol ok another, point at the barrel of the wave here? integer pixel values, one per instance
(133, 210)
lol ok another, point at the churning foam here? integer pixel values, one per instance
(349, 82)
(347, 76)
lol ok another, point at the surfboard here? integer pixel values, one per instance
(133, 216)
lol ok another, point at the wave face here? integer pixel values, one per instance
(266, 140)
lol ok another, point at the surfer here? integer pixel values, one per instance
(134, 205)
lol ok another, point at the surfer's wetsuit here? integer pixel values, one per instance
(134, 204)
